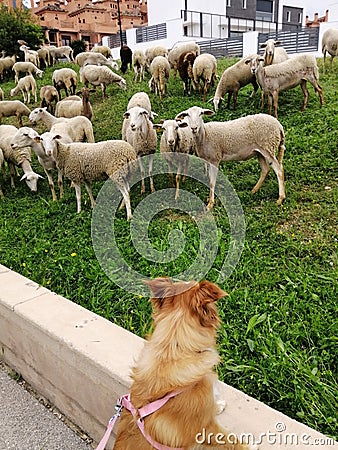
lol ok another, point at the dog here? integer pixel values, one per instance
(178, 359)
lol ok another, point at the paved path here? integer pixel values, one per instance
(26, 424)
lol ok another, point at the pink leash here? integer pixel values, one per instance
(124, 402)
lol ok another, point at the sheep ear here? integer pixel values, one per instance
(278, 42)
(182, 124)
(126, 115)
(23, 177)
(263, 45)
(157, 127)
(208, 112)
(57, 136)
(261, 59)
(181, 115)
(247, 61)
(37, 139)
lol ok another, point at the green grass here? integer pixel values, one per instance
(278, 340)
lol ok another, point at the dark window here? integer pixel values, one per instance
(264, 6)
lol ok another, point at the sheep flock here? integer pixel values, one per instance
(67, 113)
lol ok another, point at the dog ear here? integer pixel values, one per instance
(211, 291)
(161, 288)
(206, 295)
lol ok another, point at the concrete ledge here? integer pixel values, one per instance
(81, 363)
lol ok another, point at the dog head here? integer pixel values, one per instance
(196, 299)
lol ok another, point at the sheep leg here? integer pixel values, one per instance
(19, 117)
(277, 167)
(265, 170)
(28, 97)
(170, 169)
(306, 94)
(124, 189)
(150, 172)
(213, 171)
(12, 173)
(255, 86)
(60, 183)
(186, 167)
(78, 196)
(103, 88)
(273, 100)
(229, 99)
(178, 175)
(139, 159)
(51, 184)
(89, 190)
(235, 98)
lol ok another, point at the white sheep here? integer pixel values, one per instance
(91, 58)
(103, 49)
(273, 54)
(16, 108)
(232, 80)
(151, 52)
(25, 86)
(77, 128)
(142, 100)
(44, 55)
(160, 72)
(178, 49)
(48, 96)
(64, 51)
(237, 140)
(84, 163)
(330, 45)
(7, 63)
(204, 69)
(75, 106)
(66, 79)
(175, 146)
(141, 135)
(27, 137)
(26, 67)
(101, 76)
(286, 75)
(30, 55)
(17, 158)
(139, 61)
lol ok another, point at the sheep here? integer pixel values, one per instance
(76, 128)
(66, 79)
(237, 140)
(26, 67)
(180, 48)
(1, 94)
(27, 137)
(151, 52)
(160, 71)
(232, 80)
(61, 52)
(204, 69)
(25, 85)
(13, 108)
(139, 64)
(103, 49)
(286, 75)
(17, 157)
(84, 163)
(330, 45)
(272, 53)
(184, 66)
(141, 135)
(44, 55)
(30, 55)
(101, 75)
(142, 100)
(7, 64)
(126, 56)
(175, 146)
(75, 106)
(86, 58)
(48, 96)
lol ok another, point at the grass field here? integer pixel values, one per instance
(278, 340)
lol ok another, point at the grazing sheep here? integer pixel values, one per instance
(103, 49)
(139, 61)
(30, 55)
(330, 45)
(232, 80)
(184, 66)
(66, 79)
(61, 52)
(178, 49)
(25, 86)
(48, 96)
(101, 76)
(16, 108)
(237, 140)
(88, 58)
(126, 56)
(286, 75)
(1, 94)
(141, 135)
(272, 53)
(142, 100)
(204, 69)
(76, 128)
(17, 157)
(175, 146)
(75, 106)
(44, 55)
(7, 64)
(151, 52)
(160, 71)
(27, 137)
(84, 163)
(26, 67)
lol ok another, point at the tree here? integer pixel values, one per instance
(18, 24)
(78, 46)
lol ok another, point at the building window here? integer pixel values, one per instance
(264, 10)
(299, 17)
(228, 3)
(244, 4)
(83, 21)
(42, 18)
(288, 16)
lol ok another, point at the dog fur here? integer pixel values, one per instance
(181, 352)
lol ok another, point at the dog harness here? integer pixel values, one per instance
(139, 414)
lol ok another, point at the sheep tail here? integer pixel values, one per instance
(281, 147)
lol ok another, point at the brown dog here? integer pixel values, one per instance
(180, 356)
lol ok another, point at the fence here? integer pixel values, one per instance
(114, 40)
(223, 47)
(152, 33)
(304, 40)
